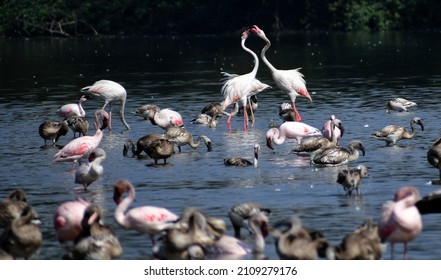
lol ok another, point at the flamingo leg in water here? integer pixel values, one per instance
(252, 114)
(245, 118)
(299, 119)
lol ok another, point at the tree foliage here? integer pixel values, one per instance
(25, 18)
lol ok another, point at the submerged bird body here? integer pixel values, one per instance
(393, 133)
(337, 155)
(244, 162)
(399, 104)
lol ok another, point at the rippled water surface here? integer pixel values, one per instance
(349, 75)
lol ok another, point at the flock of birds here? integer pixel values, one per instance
(194, 234)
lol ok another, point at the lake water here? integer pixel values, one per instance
(349, 75)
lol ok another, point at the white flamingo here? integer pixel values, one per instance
(289, 81)
(72, 109)
(241, 87)
(110, 91)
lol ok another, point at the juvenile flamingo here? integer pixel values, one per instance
(290, 82)
(237, 161)
(240, 214)
(53, 130)
(11, 207)
(110, 91)
(393, 133)
(290, 130)
(145, 219)
(89, 172)
(400, 220)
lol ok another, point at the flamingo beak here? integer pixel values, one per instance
(269, 143)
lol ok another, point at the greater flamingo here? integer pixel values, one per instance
(350, 178)
(165, 118)
(80, 147)
(95, 241)
(393, 133)
(241, 87)
(399, 104)
(72, 109)
(67, 219)
(145, 110)
(289, 81)
(110, 91)
(400, 220)
(24, 237)
(338, 155)
(11, 207)
(328, 130)
(434, 156)
(53, 130)
(160, 149)
(290, 130)
(89, 172)
(241, 162)
(145, 219)
(78, 124)
(240, 214)
(141, 145)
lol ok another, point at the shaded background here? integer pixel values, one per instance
(24, 18)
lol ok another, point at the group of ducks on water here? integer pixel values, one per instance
(194, 234)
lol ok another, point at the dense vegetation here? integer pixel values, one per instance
(27, 18)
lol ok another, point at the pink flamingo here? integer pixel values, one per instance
(400, 220)
(89, 172)
(67, 219)
(72, 109)
(80, 147)
(110, 91)
(289, 81)
(165, 118)
(336, 130)
(146, 219)
(291, 130)
(241, 87)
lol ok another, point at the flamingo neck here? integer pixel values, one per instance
(80, 106)
(121, 112)
(256, 158)
(122, 207)
(278, 137)
(263, 55)
(256, 59)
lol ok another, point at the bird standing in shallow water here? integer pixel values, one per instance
(110, 91)
(336, 156)
(72, 109)
(290, 130)
(393, 133)
(89, 172)
(400, 220)
(350, 178)
(53, 130)
(240, 87)
(290, 82)
(399, 104)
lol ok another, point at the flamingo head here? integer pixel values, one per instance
(84, 98)
(245, 34)
(118, 189)
(269, 138)
(258, 31)
(406, 191)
